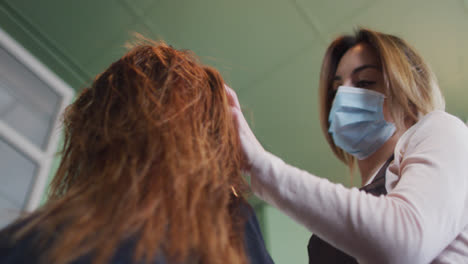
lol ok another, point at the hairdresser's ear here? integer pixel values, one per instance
(232, 97)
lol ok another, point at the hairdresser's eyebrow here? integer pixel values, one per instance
(365, 66)
(358, 69)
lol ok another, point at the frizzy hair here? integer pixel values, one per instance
(150, 155)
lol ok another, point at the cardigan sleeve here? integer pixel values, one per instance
(421, 216)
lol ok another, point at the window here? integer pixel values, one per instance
(32, 99)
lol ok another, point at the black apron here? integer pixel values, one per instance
(322, 252)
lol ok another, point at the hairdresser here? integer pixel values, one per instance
(381, 109)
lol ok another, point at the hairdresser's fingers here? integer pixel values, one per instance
(232, 97)
(251, 147)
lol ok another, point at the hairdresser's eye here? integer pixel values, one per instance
(364, 83)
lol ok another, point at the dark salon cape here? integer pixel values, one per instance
(320, 251)
(23, 251)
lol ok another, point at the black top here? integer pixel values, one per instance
(322, 252)
(23, 251)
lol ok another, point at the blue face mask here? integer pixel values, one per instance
(357, 124)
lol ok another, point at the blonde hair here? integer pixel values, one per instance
(410, 84)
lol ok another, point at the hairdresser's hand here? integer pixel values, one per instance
(253, 150)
